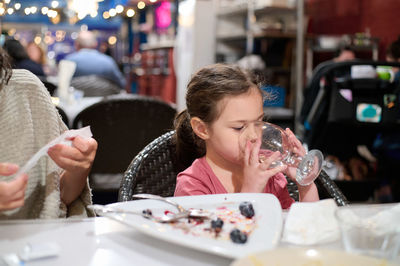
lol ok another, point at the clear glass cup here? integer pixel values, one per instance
(274, 138)
(370, 229)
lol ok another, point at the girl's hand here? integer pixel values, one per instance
(12, 194)
(306, 193)
(298, 150)
(255, 173)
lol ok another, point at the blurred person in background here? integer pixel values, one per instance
(105, 48)
(20, 58)
(393, 55)
(53, 188)
(90, 61)
(344, 53)
(36, 53)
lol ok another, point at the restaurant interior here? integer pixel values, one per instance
(328, 71)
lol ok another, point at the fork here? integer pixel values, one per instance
(102, 209)
(193, 213)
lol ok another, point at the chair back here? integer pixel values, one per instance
(94, 85)
(152, 171)
(122, 125)
(155, 168)
(63, 115)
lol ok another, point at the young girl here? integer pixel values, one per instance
(221, 101)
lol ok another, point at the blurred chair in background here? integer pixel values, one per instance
(63, 115)
(153, 170)
(51, 87)
(94, 85)
(122, 125)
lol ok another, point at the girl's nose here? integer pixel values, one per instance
(253, 133)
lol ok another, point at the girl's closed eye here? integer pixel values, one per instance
(238, 128)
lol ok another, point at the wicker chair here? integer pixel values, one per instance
(63, 115)
(94, 85)
(155, 168)
(122, 125)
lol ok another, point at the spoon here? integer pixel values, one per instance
(102, 209)
(193, 213)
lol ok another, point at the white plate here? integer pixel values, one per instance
(265, 235)
(304, 256)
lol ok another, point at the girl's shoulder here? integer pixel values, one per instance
(198, 166)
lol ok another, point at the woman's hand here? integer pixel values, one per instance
(12, 194)
(255, 173)
(77, 162)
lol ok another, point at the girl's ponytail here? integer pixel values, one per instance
(188, 148)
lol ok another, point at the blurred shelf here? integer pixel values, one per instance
(266, 10)
(368, 48)
(275, 34)
(232, 10)
(274, 10)
(278, 113)
(161, 45)
(232, 37)
(268, 34)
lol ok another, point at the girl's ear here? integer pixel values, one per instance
(199, 128)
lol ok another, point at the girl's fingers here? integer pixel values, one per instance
(298, 146)
(276, 170)
(247, 153)
(255, 151)
(266, 163)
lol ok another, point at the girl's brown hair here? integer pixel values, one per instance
(206, 88)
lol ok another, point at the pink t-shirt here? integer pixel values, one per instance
(199, 179)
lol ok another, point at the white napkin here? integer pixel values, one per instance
(84, 132)
(384, 222)
(66, 70)
(310, 223)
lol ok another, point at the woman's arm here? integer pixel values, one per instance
(76, 162)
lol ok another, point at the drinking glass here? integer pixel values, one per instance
(274, 138)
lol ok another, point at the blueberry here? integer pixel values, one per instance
(147, 213)
(238, 236)
(246, 209)
(218, 223)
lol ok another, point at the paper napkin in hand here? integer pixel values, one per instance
(64, 138)
(311, 223)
